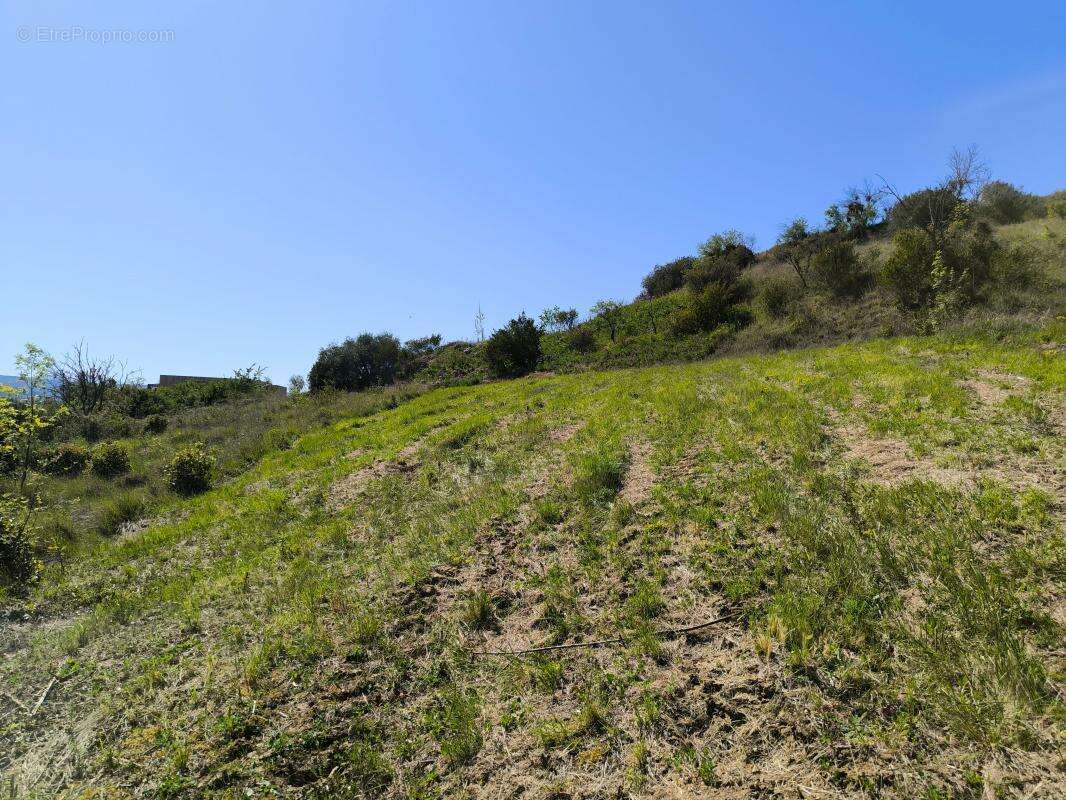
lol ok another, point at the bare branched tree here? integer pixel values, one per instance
(967, 174)
(83, 381)
(479, 324)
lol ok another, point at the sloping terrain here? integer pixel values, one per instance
(831, 573)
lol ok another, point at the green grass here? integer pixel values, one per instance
(79, 510)
(894, 630)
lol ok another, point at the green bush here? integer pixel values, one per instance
(838, 269)
(16, 552)
(68, 459)
(110, 459)
(1057, 208)
(1015, 267)
(725, 269)
(91, 428)
(919, 209)
(581, 340)
(514, 350)
(704, 310)
(666, 278)
(189, 472)
(357, 364)
(917, 272)
(1004, 203)
(774, 297)
(156, 424)
(280, 439)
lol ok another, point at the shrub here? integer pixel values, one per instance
(723, 266)
(1004, 203)
(839, 270)
(357, 364)
(1057, 208)
(608, 314)
(922, 208)
(189, 472)
(280, 438)
(91, 428)
(581, 340)
(1015, 267)
(514, 350)
(728, 242)
(906, 271)
(68, 458)
(666, 278)
(702, 275)
(917, 272)
(156, 424)
(774, 296)
(704, 310)
(110, 459)
(16, 553)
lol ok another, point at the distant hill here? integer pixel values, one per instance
(12, 380)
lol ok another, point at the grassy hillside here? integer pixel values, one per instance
(84, 510)
(1032, 292)
(870, 537)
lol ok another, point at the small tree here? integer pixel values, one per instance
(941, 255)
(798, 246)
(250, 379)
(558, 319)
(608, 313)
(514, 350)
(722, 243)
(34, 365)
(296, 384)
(356, 364)
(934, 208)
(853, 216)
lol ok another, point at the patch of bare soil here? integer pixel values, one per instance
(639, 478)
(992, 387)
(47, 735)
(565, 433)
(892, 461)
(130, 530)
(348, 489)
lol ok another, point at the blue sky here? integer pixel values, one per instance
(266, 181)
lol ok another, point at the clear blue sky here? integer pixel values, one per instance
(273, 179)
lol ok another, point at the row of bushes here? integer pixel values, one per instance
(188, 472)
(140, 402)
(942, 253)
